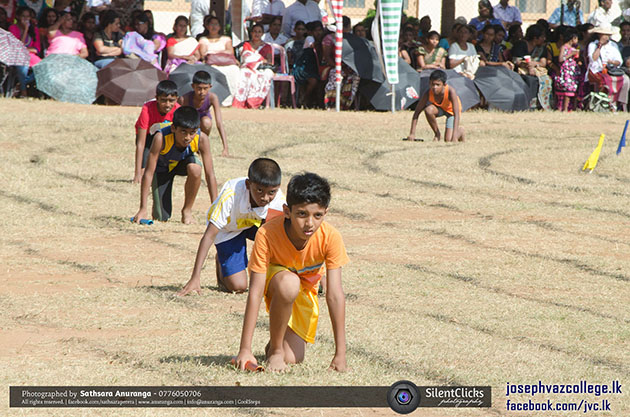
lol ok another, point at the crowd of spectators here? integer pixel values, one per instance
(561, 59)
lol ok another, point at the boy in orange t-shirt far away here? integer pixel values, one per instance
(286, 266)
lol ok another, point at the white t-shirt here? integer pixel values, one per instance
(232, 211)
(198, 10)
(457, 53)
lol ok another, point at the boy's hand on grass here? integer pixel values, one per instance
(338, 364)
(141, 214)
(244, 357)
(193, 284)
(137, 179)
(225, 152)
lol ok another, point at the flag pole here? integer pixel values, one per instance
(393, 98)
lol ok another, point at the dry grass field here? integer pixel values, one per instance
(492, 261)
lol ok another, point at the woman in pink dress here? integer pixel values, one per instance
(64, 40)
(26, 30)
(254, 83)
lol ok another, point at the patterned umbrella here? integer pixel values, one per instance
(68, 78)
(129, 82)
(12, 50)
(183, 76)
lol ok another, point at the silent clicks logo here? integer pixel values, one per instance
(403, 397)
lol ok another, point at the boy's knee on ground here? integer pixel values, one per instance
(285, 286)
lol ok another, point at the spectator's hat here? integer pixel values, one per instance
(462, 20)
(602, 30)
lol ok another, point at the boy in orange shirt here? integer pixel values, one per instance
(286, 265)
(440, 100)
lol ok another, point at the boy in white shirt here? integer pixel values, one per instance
(242, 206)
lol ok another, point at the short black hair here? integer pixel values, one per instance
(347, 23)
(311, 26)
(432, 34)
(534, 31)
(108, 17)
(438, 75)
(202, 77)
(166, 88)
(186, 117)
(299, 23)
(308, 188)
(624, 23)
(265, 171)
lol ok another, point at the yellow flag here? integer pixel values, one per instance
(591, 162)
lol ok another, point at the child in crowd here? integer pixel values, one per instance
(568, 79)
(286, 265)
(155, 111)
(202, 99)
(235, 216)
(442, 100)
(173, 153)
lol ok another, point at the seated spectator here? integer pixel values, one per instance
(47, 18)
(108, 40)
(97, 7)
(571, 15)
(359, 30)
(63, 39)
(274, 36)
(452, 36)
(462, 54)
(499, 35)
(308, 70)
(624, 43)
(87, 27)
(255, 81)
(408, 47)
(295, 45)
(567, 79)
(425, 27)
(603, 57)
(553, 50)
(430, 54)
(132, 18)
(26, 30)
(491, 53)
(486, 17)
(515, 34)
(4, 19)
(143, 43)
(529, 56)
(216, 50)
(349, 80)
(508, 15)
(180, 47)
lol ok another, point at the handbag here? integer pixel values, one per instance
(221, 59)
(614, 70)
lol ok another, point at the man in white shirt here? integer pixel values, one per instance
(264, 11)
(304, 10)
(607, 14)
(198, 10)
(508, 15)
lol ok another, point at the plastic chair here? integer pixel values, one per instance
(283, 75)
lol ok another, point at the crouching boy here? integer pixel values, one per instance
(241, 208)
(173, 152)
(286, 266)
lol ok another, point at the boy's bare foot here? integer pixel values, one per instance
(275, 363)
(187, 217)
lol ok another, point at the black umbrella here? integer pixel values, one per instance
(360, 55)
(465, 87)
(379, 93)
(502, 88)
(183, 75)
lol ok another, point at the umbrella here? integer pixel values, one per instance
(129, 82)
(68, 78)
(183, 75)
(360, 55)
(12, 50)
(502, 88)
(465, 87)
(379, 93)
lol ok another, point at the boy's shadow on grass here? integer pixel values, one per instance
(175, 288)
(205, 360)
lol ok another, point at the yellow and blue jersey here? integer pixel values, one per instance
(170, 156)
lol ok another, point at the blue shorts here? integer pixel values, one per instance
(232, 254)
(450, 119)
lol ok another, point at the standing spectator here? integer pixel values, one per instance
(305, 10)
(570, 13)
(8, 6)
(624, 43)
(198, 10)
(486, 17)
(108, 40)
(359, 30)
(264, 11)
(462, 54)
(98, 7)
(508, 15)
(568, 79)
(25, 30)
(63, 39)
(606, 14)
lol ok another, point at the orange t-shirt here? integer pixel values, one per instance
(446, 103)
(272, 246)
